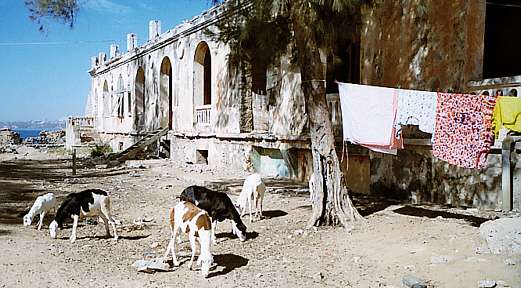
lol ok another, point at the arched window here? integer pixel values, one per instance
(202, 75)
(165, 94)
(120, 97)
(139, 91)
(106, 99)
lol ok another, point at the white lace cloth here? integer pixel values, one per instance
(416, 108)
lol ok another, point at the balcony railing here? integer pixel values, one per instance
(81, 121)
(203, 114)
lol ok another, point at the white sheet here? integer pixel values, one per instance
(368, 116)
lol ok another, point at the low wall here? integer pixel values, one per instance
(415, 175)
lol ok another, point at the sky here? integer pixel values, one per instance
(43, 76)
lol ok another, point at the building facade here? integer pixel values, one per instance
(181, 80)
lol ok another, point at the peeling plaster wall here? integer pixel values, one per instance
(423, 44)
(429, 45)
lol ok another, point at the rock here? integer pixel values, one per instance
(101, 166)
(502, 235)
(319, 276)
(150, 266)
(510, 262)
(501, 283)
(259, 275)
(298, 232)
(487, 284)
(412, 281)
(440, 259)
(154, 245)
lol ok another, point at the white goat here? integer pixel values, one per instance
(253, 188)
(188, 218)
(41, 206)
(89, 202)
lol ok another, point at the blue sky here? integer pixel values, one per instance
(50, 82)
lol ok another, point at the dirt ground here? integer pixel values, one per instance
(440, 245)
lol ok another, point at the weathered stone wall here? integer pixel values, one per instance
(423, 44)
(417, 176)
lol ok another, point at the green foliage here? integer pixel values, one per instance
(100, 150)
(261, 30)
(61, 10)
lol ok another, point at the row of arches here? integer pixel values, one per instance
(113, 102)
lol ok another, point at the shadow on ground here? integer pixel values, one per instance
(229, 235)
(21, 182)
(273, 214)
(230, 262)
(273, 185)
(422, 212)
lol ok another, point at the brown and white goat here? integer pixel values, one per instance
(188, 218)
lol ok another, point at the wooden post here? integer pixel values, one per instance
(506, 179)
(73, 161)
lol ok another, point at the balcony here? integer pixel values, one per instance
(203, 115)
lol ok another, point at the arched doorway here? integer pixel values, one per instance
(165, 94)
(202, 83)
(139, 92)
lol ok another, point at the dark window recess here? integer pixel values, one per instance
(201, 157)
(207, 78)
(502, 55)
(343, 66)
(259, 78)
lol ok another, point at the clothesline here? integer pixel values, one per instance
(460, 124)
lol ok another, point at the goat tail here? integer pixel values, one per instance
(243, 197)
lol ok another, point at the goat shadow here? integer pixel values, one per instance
(99, 237)
(273, 214)
(229, 262)
(229, 235)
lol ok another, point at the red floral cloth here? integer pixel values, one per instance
(463, 133)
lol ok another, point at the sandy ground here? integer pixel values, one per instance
(395, 241)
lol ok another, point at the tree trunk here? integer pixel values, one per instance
(331, 202)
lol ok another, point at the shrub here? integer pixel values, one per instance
(100, 150)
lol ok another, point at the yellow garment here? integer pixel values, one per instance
(506, 114)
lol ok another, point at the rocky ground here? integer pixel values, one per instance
(441, 246)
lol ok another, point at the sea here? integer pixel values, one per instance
(24, 133)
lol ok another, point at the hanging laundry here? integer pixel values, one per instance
(463, 133)
(507, 114)
(368, 116)
(416, 108)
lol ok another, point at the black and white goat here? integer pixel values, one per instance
(252, 189)
(90, 202)
(187, 218)
(218, 205)
(41, 206)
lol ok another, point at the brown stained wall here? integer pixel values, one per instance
(422, 44)
(431, 45)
